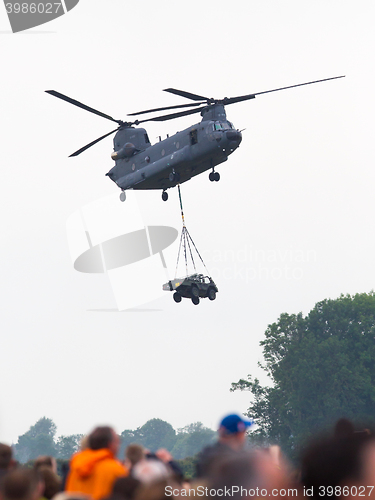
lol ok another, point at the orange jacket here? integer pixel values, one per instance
(93, 472)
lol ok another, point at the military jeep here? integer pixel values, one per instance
(192, 287)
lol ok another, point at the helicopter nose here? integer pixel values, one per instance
(234, 135)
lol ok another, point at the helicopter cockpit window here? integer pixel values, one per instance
(147, 140)
(223, 125)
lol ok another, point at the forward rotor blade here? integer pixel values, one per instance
(299, 85)
(232, 100)
(165, 108)
(188, 95)
(92, 143)
(80, 105)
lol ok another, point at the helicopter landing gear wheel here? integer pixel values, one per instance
(122, 196)
(216, 176)
(177, 297)
(164, 196)
(195, 300)
(212, 176)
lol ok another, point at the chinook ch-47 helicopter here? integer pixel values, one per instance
(176, 159)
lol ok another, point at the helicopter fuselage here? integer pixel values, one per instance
(176, 159)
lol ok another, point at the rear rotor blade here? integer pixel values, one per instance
(171, 116)
(92, 143)
(80, 105)
(137, 122)
(167, 107)
(188, 95)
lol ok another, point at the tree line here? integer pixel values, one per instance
(41, 439)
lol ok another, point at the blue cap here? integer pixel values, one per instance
(231, 424)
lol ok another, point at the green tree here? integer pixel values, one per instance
(154, 434)
(44, 426)
(38, 440)
(157, 433)
(192, 439)
(322, 367)
(67, 445)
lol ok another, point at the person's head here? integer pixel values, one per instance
(5, 456)
(45, 461)
(52, 482)
(134, 453)
(232, 430)
(344, 428)
(155, 490)
(150, 471)
(125, 487)
(104, 437)
(334, 462)
(21, 484)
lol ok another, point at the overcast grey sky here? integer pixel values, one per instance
(290, 223)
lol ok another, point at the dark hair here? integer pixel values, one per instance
(125, 487)
(134, 452)
(52, 482)
(19, 484)
(5, 456)
(332, 461)
(43, 461)
(101, 437)
(344, 428)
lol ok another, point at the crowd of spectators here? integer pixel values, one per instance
(340, 465)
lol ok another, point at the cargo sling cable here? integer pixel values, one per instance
(185, 242)
(194, 286)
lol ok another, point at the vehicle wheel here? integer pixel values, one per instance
(212, 176)
(122, 196)
(164, 196)
(194, 291)
(195, 300)
(211, 294)
(216, 176)
(177, 297)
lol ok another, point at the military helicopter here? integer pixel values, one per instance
(176, 159)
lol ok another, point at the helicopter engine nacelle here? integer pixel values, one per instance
(126, 151)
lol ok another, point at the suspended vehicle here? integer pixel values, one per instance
(180, 157)
(192, 286)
